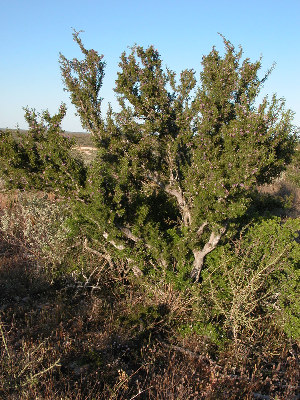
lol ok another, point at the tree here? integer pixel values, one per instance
(177, 164)
(41, 158)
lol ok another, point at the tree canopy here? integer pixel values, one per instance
(177, 164)
(41, 158)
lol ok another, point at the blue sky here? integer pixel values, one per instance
(33, 33)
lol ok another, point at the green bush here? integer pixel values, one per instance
(41, 158)
(256, 278)
(174, 179)
(176, 166)
(293, 170)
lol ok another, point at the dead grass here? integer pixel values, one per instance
(61, 340)
(289, 192)
(88, 153)
(103, 334)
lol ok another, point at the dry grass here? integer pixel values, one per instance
(64, 341)
(284, 189)
(88, 153)
(101, 333)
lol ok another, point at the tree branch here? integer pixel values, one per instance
(127, 232)
(112, 242)
(129, 235)
(201, 228)
(106, 257)
(186, 213)
(199, 255)
(136, 270)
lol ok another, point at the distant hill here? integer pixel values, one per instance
(82, 138)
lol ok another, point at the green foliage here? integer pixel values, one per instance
(256, 278)
(177, 164)
(84, 80)
(293, 170)
(42, 158)
(212, 331)
(143, 318)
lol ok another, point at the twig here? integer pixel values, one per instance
(143, 391)
(28, 380)
(4, 340)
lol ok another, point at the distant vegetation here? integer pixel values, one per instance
(163, 263)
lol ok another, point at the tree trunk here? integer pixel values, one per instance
(199, 255)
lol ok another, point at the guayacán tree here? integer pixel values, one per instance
(42, 158)
(177, 163)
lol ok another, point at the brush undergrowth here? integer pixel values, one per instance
(76, 324)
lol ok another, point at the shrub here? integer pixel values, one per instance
(293, 171)
(41, 158)
(176, 165)
(37, 222)
(256, 279)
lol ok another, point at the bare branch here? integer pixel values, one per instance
(113, 243)
(127, 232)
(199, 255)
(106, 257)
(136, 270)
(201, 228)
(186, 213)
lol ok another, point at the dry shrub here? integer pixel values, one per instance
(24, 366)
(36, 222)
(101, 359)
(116, 336)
